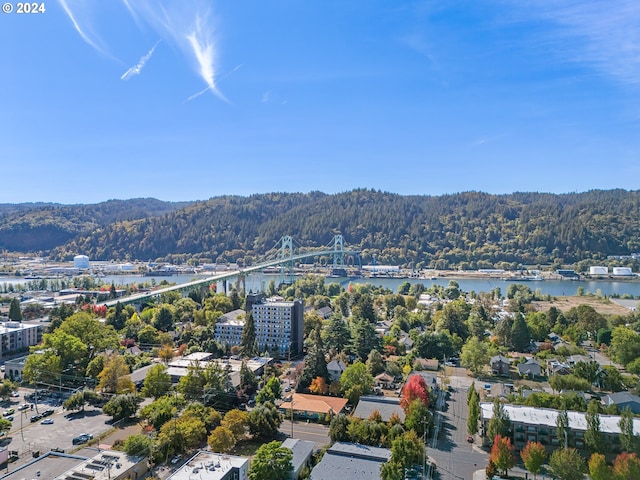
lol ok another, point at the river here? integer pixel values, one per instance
(258, 281)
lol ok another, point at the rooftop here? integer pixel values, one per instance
(49, 466)
(547, 417)
(351, 460)
(209, 466)
(386, 406)
(303, 402)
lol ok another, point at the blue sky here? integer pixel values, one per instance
(99, 99)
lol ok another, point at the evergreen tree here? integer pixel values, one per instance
(248, 340)
(562, 426)
(474, 415)
(628, 440)
(593, 435)
(15, 315)
(499, 425)
(520, 336)
(315, 363)
(336, 335)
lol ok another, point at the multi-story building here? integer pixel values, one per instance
(228, 329)
(539, 425)
(17, 336)
(279, 326)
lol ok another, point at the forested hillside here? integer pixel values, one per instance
(466, 230)
(28, 227)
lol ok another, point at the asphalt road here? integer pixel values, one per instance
(455, 458)
(312, 432)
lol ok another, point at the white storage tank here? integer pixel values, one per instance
(622, 271)
(598, 270)
(81, 261)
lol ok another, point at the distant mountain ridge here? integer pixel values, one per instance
(462, 230)
(28, 227)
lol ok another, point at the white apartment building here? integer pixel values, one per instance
(17, 336)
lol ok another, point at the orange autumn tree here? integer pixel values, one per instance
(626, 466)
(318, 385)
(415, 389)
(502, 454)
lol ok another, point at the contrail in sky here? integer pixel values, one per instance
(136, 69)
(196, 95)
(83, 34)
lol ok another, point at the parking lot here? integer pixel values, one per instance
(25, 436)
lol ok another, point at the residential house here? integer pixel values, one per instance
(335, 368)
(556, 367)
(384, 380)
(324, 312)
(386, 406)
(431, 364)
(500, 365)
(623, 400)
(351, 460)
(531, 368)
(302, 451)
(312, 406)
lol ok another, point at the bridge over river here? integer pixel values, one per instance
(285, 258)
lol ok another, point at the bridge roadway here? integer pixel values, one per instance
(140, 297)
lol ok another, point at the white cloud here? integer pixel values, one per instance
(136, 69)
(188, 25)
(602, 34)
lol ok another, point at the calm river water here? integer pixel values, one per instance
(258, 281)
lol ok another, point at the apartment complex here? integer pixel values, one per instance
(539, 425)
(17, 336)
(228, 329)
(278, 324)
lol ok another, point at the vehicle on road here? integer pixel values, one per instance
(46, 413)
(35, 418)
(24, 406)
(11, 411)
(15, 394)
(10, 418)
(48, 421)
(176, 459)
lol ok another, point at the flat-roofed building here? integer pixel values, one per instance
(104, 465)
(213, 466)
(229, 327)
(539, 425)
(16, 336)
(279, 326)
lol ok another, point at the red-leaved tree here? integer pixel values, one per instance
(626, 466)
(502, 454)
(415, 389)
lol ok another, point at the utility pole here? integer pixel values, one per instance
(291, 416)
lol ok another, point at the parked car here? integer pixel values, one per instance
(35, 418)
(46, 413)
(11, 411)
(48, 421)
(10, 418)
(82, 438)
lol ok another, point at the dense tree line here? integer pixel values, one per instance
(466, 230)
(43, 226)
